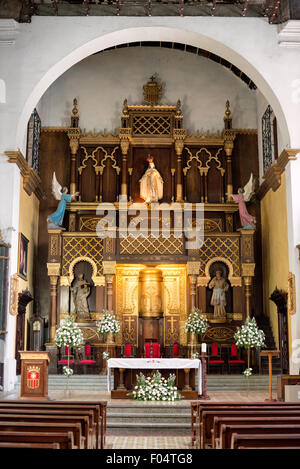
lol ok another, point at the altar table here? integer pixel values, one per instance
(126, 369)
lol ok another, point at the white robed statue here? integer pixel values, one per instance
(151, 184)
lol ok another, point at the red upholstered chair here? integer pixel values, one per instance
(234, 358)
(87, 358)
(151, 350)
(147, 350)
(176, 350)
(214, 358)
(128, 351)
(65, 357)
(155, 350)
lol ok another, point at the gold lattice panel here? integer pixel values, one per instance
(78, 246)
(149, 245)
(154, 125)
(226, 247)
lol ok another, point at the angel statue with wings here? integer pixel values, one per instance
(151, 184)
(244, 195)
(62, 195)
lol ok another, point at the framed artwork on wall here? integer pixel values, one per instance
(23, 256)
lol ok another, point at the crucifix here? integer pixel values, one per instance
(129, 320)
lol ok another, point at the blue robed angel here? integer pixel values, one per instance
(62, 195)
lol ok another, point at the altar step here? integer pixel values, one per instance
(140, 418)
(239, 382)
(214, 382)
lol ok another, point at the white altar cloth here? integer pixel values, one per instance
(155, 364)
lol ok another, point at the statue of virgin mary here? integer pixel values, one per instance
(151, 184)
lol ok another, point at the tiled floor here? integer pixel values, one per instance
(148, 442)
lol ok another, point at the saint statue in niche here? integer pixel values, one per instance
(80, 292)
(56, 219)
(218, 299)
(244, 195)
(151, 184)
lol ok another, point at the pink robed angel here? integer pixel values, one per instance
(243, 196)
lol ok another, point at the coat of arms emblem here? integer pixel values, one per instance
(33, 377)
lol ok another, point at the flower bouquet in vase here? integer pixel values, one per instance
(109, 326)
(68, 334)
(196, 324)
(249, 336)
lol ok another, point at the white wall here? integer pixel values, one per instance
(102, 82)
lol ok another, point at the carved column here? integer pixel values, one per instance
(248, 266)
(124, 134)
(228, 147)
(54, 273)
(179, 136)
(193, 272)
(74, 135)
(109, 268)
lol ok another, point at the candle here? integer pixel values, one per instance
(203, 348)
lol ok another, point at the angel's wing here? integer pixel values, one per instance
(249, 189)
(56, 188)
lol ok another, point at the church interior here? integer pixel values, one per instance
(153, 182)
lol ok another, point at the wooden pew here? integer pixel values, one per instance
(219, 406)
(229, 430)
(78, 424)
(98, 409)
(197, 407)
(208, 418)
(65, 439)
(220, 438)
(40, 427)
(84, 417)
(265, 441)
(30, 445)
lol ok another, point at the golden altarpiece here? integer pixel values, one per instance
(151, 282)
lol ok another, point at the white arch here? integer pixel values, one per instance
(149, 33)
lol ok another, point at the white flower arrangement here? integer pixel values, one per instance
(196, 322)
(247, 372)
(105, 355)
(67, 371)
(249, 336)
(108, 323)
(155, 388)
(195, 355)
(68, 334)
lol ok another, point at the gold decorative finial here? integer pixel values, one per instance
(125, 107)
(227, 112)
(75, 110)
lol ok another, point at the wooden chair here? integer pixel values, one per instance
(214, 358)
(234, 360)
